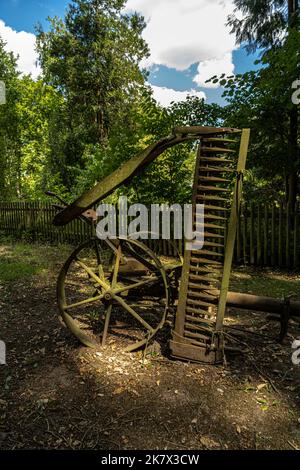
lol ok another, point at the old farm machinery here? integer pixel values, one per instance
(121, 286)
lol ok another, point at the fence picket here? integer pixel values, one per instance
(266, 235)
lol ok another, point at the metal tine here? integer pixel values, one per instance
(214, 217)
(197, 328)
(212, 262)
(215, 160)
(210, 253)
(197, 319)
(213, 188)
(219, 139)
(196, 277)
(216, 208)
(197, 311)
(211, 169)
(216, 179)
(205, 225)
(205, 269)
(201, 311)
(199, 302)
(213, 235)
(217, 150)
(191, 285)
(201, 295)
(201, 259)
(210, 197)
(213, 244)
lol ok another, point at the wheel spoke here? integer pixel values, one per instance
(106, 324)
(133, 312)
(113, 283)
(102, 283)
(84, 302)
(116, 267)
(98, 268)
(135, 285)
(142, 260)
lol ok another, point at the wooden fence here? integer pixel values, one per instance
(266, 236)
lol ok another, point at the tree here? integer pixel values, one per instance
(38, 104)
(9, 143)
(273, 25)
(93, 58)
(262, 22)
(170, 177)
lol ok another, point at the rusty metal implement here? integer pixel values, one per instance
(106, 285)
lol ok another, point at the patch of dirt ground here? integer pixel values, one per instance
(57, 394)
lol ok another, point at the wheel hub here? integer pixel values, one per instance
(107, 296)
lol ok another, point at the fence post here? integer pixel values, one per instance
(295, 254)
(287, 239)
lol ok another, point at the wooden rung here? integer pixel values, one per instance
(196, 277)
(213, 235)
(204, 261)
(216, 208)
(208, 252)
(211, 262)
(208, 216)
(203, 269)
(210, 197)
(212, 169)
(214, 217)
(197, 335)
(218, 139)
(197, 325)
(199, 311)
(214, 159)
(213, 188)
(205, 225)
(197, 319)
(213, 179)
(217, 150)
(198, 329)
(213, 244)
(192, 285)
(202, 295)
(199, 250)
(199, 302)
(206, 243)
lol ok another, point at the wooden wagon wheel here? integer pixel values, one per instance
(113, 285)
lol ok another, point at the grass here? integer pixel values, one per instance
(13, 271)
(265, 281)
(19, 260)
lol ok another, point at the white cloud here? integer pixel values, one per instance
(164, 96)
(209, 68)
(22, 44)
(183, 32)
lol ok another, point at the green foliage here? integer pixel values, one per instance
(9, 145)
(259, 23)
(170, 177)
(262, 99)
(92, 110)
(93, 57)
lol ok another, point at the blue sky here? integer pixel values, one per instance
(191, 46)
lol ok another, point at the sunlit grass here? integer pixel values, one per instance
(12, 271)
(266, 282)
(19, 260)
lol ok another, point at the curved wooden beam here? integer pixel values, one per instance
(128, 170)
